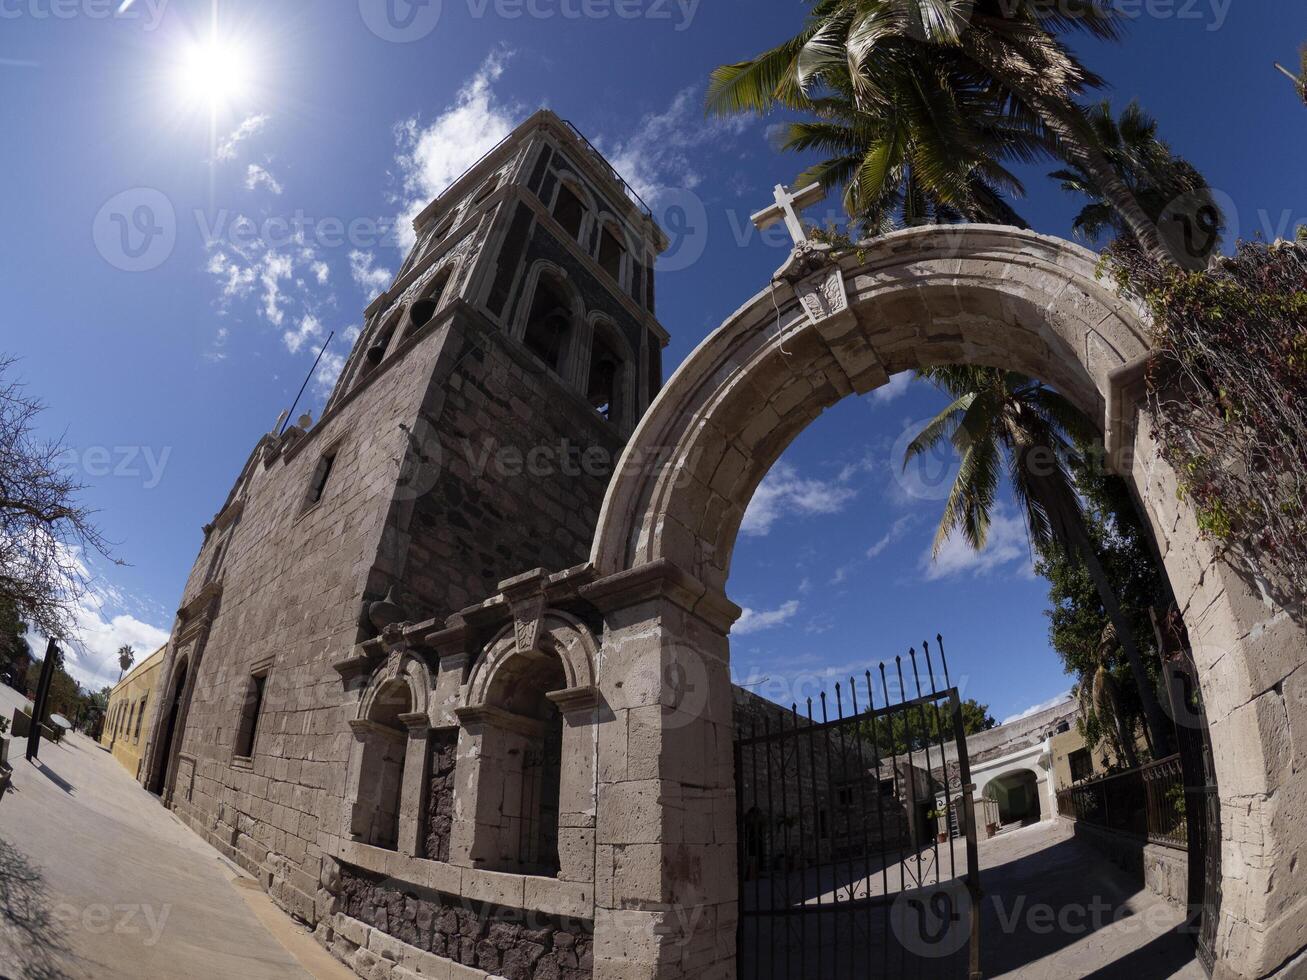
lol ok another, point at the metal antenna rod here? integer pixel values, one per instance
(296, 402)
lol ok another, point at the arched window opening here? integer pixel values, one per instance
(611, 253)
(549, 325)
(385, 744)
(603, 384)
(421, 312)
(569, 211)
(489, 188)
(528, 756)
(376, 352)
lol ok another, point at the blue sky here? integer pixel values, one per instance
(163, 378)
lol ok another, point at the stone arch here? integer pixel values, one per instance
(590, 208)
(542, 271)
(826, 329)
(525, 794)
(603, 333)
(401, 668)
(388, 761)
(560, 633)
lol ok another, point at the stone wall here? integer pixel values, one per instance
(499, 941)
(440, 799)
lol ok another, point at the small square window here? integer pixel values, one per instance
(321, 475)
(251, 709)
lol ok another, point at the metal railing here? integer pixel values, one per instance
(1148, 803)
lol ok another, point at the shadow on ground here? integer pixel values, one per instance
(32, 942)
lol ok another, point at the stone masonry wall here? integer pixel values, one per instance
(500, 941)
(440, 798)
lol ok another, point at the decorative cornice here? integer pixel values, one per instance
(575, 699)
(661, 578)
(209, 592)
(488, 714)
(415, 721)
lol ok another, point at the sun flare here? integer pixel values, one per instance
(214, 73)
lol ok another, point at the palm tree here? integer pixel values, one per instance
(1107, 701)
(1005, 50)
(936, 157)
(997, 415)
(126, 657)
(1299, 80)
(1171, 191)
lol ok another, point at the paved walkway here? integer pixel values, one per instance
(1054, 907)
(97, 880)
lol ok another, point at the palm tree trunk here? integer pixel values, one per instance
(1070, 531)
(1067, 123)
(1104, 688)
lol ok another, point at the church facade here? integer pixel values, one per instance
(369, 700)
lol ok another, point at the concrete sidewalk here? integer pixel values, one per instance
(98, 880)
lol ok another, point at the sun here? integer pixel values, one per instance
(214, 73)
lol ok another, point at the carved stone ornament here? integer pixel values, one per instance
(817, 279)
(385, 612)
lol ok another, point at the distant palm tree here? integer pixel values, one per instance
(1106, 701)
(1171, 191)
(126, 657)
(1004, 51)
(1299, 80)
(999, 416)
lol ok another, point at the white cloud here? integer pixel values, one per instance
(433, 157)
(369, 278)
(661, 155)
(251, 126)
(1035, 709)
(1007, 545)
(274, 268)
(755, 620)
(321, 272)
(784, 492)
(896, 388)
(895, 532)
(309, 330)
(256, 176)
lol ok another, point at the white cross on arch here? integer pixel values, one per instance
(787, 207)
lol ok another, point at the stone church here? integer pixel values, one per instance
(380, 692)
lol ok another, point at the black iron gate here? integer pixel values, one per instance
(857, 838)
(1202, 801)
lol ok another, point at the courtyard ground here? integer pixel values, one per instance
(1055, 907)
(97, 880)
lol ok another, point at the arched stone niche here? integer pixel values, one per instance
(524, 797)
(389, 758)
(830, 328)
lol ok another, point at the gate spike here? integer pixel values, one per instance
(839, 701)
(930, 667)
(853, 690)
(939, 640)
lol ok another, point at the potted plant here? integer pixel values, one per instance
(942, 832)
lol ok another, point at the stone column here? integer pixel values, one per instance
(576, 792)
(413, 793)
(665, 888)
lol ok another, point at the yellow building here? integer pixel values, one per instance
(1074, 762)
(129, 704)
